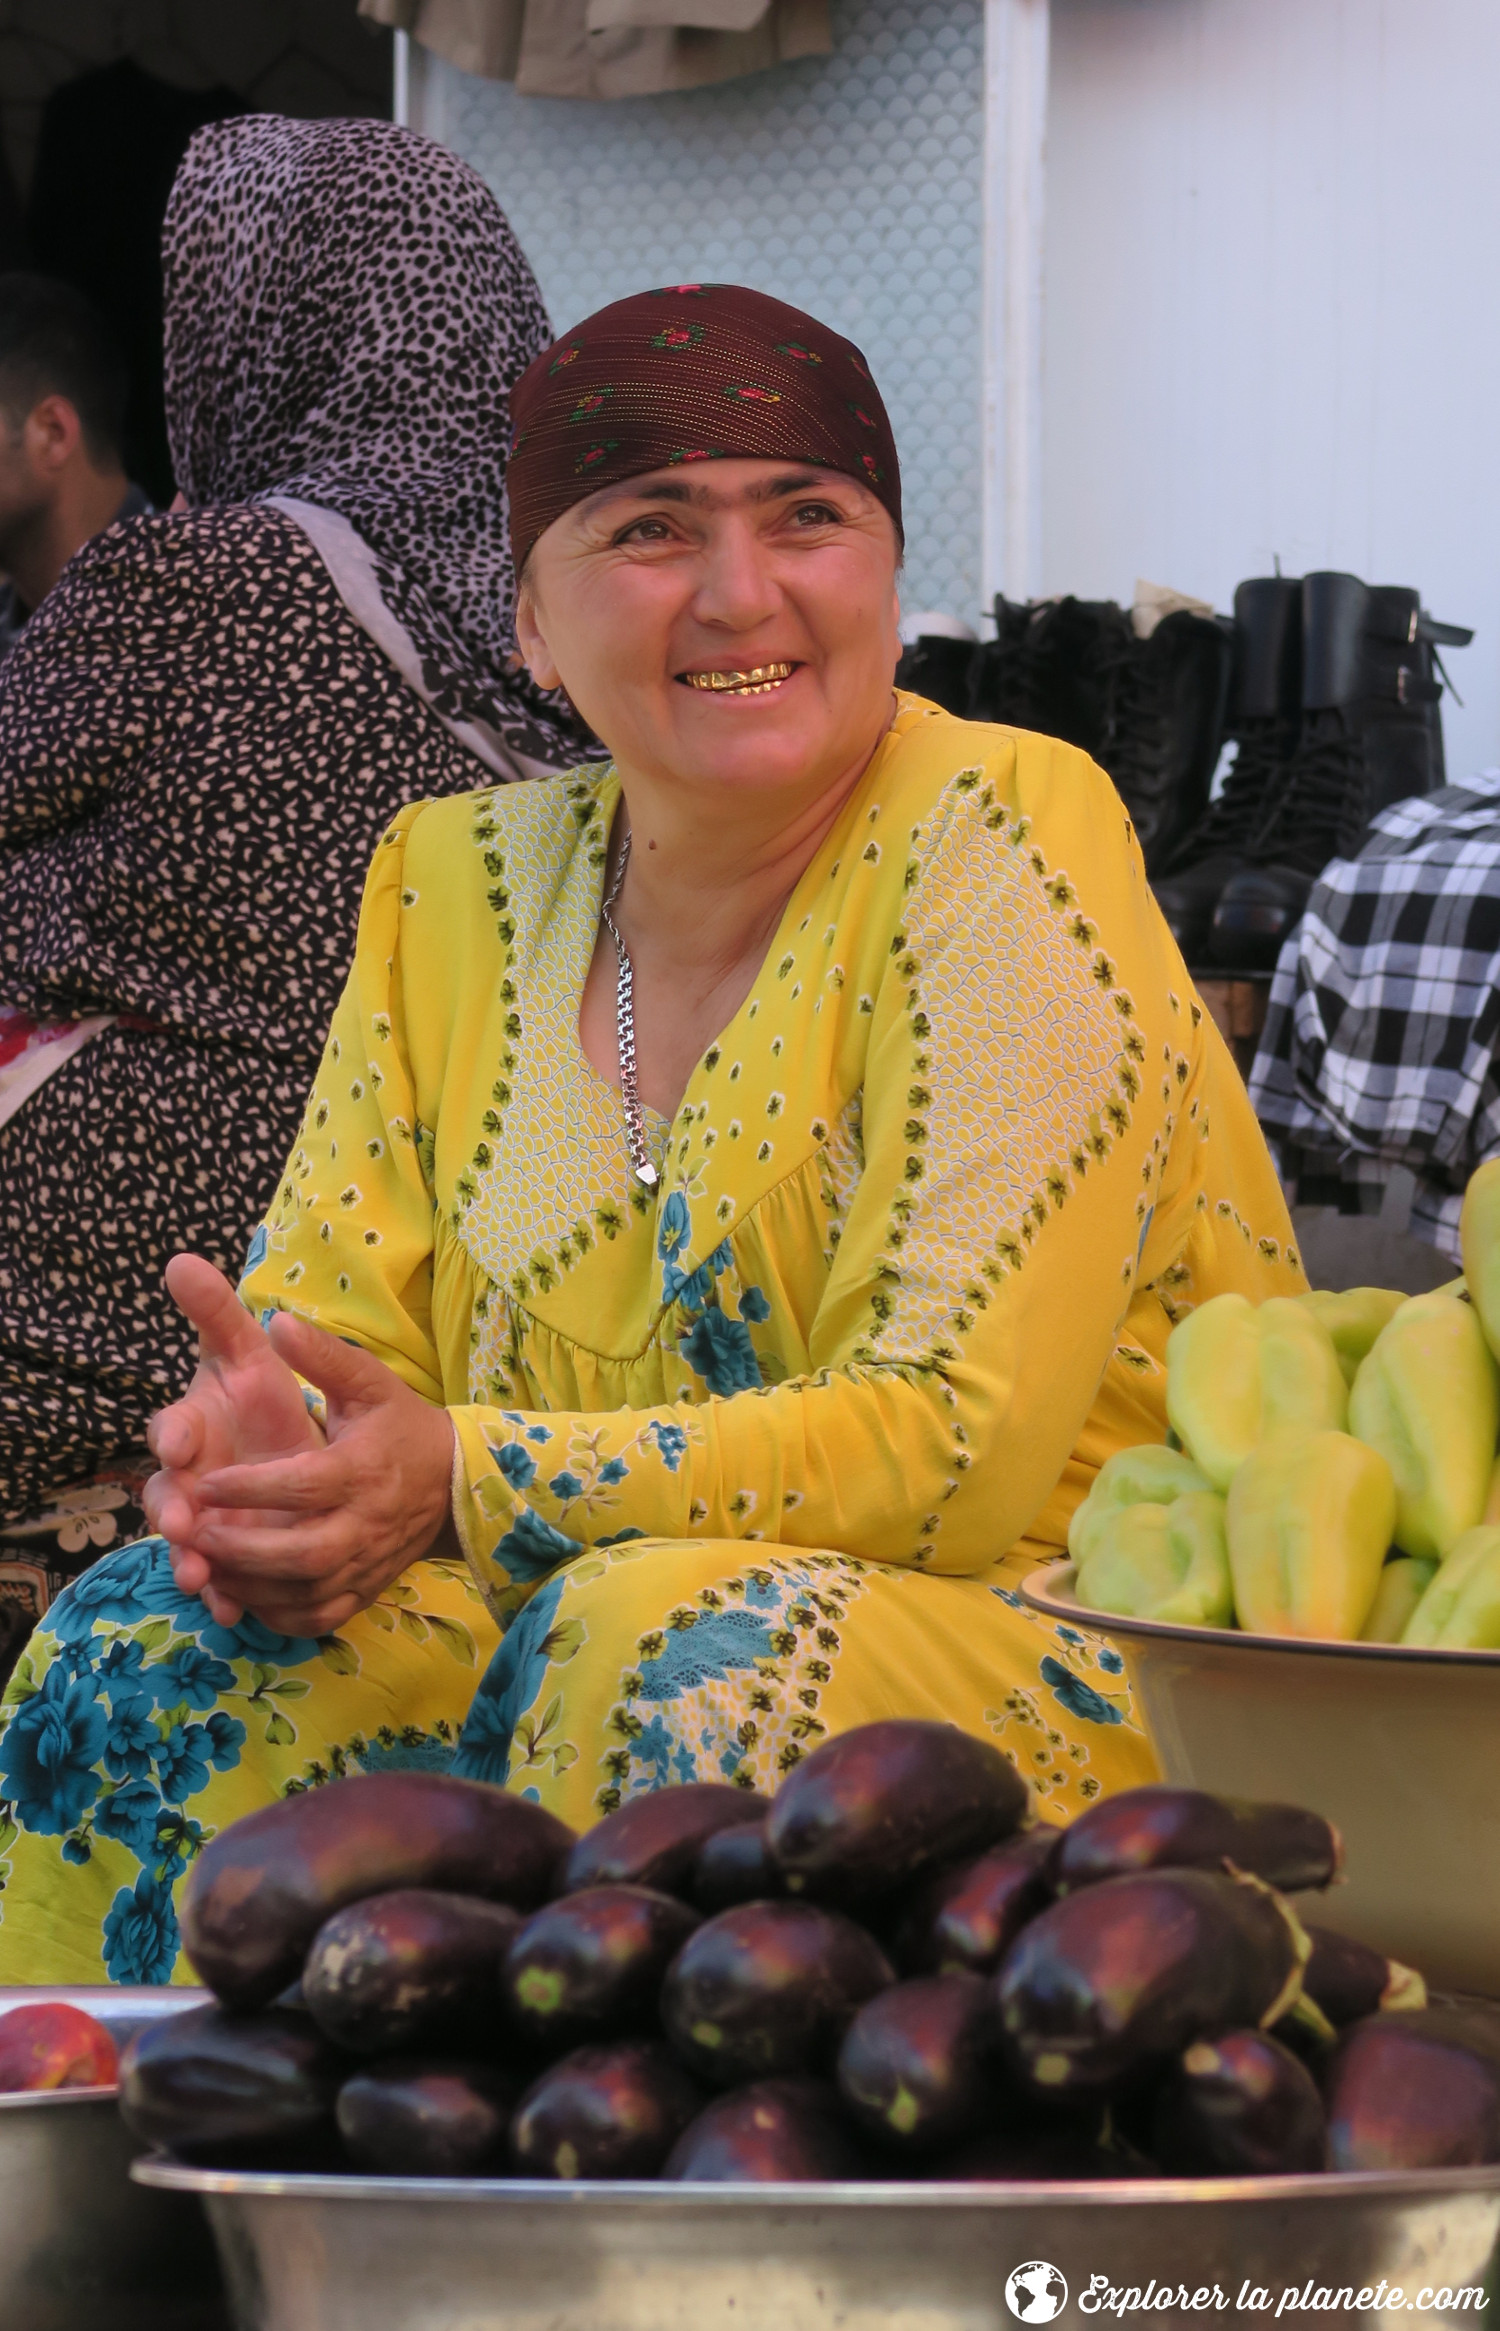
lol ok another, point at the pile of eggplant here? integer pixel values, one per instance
(881, 1972)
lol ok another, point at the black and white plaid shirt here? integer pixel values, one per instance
(1380, 1042)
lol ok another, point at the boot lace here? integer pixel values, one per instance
(1137, 746)
(1229, 825)
(1007, 683)
(1321, 813)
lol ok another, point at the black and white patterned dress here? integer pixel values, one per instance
(203, 733)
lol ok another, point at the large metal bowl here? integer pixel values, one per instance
(1399, 1747)
(81, 2249)
(408, 2254)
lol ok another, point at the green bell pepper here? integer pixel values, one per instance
(1461, 1609)
(1479, 1240)
(1427, 1396)
(1402, 1586)
(1236, 1374)
(1149, 1475)
(1161, 1562)
(1492, 1501)
(1354, 1319)
(1309, 1521)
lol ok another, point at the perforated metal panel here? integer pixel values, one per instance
(848, 184)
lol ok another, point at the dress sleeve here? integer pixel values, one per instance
(1011, 1158)
(348, 1238)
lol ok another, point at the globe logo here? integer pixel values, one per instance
(1036, 2292)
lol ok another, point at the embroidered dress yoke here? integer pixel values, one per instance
(741, 1462)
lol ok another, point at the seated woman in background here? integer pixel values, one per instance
(202, 735)
(744, 1198)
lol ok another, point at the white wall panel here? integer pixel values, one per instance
(1273, 305)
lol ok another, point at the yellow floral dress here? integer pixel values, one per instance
(739, 1463)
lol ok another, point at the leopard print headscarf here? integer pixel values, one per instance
(346, 313)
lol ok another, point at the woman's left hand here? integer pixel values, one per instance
(304, 1542)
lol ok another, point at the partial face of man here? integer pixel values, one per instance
(26, 478)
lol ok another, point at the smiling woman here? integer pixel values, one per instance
(744, 1199)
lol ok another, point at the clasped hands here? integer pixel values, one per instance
(261, 1510)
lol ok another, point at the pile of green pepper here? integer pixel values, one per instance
(1333, 1472)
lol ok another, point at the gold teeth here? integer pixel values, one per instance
(757, 682)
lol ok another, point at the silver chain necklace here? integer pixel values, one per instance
(630, 1092)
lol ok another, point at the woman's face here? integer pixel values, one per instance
(732, 623)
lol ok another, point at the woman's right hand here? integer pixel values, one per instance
(244, 1406)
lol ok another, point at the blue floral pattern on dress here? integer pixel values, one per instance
(719, 1349)
(227, 1736)
(517, 1465)
(182, 1762)
(663, 1760)
(731, 1684)
(109, 1744)
(51, 1747)
(141, 1938)
(673, 1229)
(193, 1676)
(715, 1645)
(131, 1740)
(131, 1815)
(113, 1590)
(136, 1584)
(426, 1754)
(669, 1442)
(108, 1739)
(1079, 1698)
(691, 1287)
(531, 1547)
(507, 1688)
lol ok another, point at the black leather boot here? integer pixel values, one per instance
(1044, 669)
(1265, 711)
(1006, 678)
(1165, 700)
(1371, 734)
(940, 669)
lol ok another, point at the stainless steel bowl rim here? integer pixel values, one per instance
(157, 2169)
(109, 2002)
(1050, 1591)
(28, 2099)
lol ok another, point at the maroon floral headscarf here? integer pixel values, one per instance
(695, 372)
